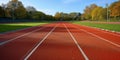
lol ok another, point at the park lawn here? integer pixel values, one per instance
(111, 27)
(17, 26)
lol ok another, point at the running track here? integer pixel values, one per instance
(60, 41)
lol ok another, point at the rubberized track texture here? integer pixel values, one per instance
(60, 41)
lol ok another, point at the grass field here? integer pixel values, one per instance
(112, 27)
(17, 26)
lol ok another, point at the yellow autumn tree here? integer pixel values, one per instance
(99, 13)
(115, 9)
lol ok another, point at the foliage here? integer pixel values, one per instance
(67, 16)
(20, 12)
(15, 9)
(1, 12)
(49, 18)
(8, 13)
(88, 10)
(38, 16)
(115, 9)
(95, 12)
(30, 9)
(57, 16)
(99, 13)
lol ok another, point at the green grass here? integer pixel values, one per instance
(112, 27)
(17, 26)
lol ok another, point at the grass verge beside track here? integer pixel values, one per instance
(112, 27)
(16, 26)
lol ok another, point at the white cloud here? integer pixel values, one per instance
(69, 1)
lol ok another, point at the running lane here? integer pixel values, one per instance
(59, 45)
(113, 37)
(94, 47)
(19, 48)
(63, 41)
(11, 35)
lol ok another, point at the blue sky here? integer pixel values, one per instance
(67, 6)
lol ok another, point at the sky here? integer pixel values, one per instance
(52, 6)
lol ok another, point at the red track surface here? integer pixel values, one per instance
(60, 41)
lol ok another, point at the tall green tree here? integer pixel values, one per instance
(16, 9)
(8, 13)
(38, 16)
(1, 12)
(49, 18)
(20, 12)
(30, 11)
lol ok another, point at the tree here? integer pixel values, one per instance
(68, 16)
(49, 17)
(99, 13)
(88, 10)
(8, 13)
(30, 9)
(57, 16)
(16, 9)
(4, 8)
(20, 12)
(1, 12)
(73, 15)
(14, 4)
(115, 9)
(38, 16)
(94, 13)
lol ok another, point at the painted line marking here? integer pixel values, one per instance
(2, 43)
(35, 48)
(99, 37)
(80, 49)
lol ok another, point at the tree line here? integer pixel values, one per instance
(67, 16)
(94, 12)
(15, 10)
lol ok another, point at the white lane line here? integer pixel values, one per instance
(34, 49)
(80, 49)
(99, 37)
(2, 43)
